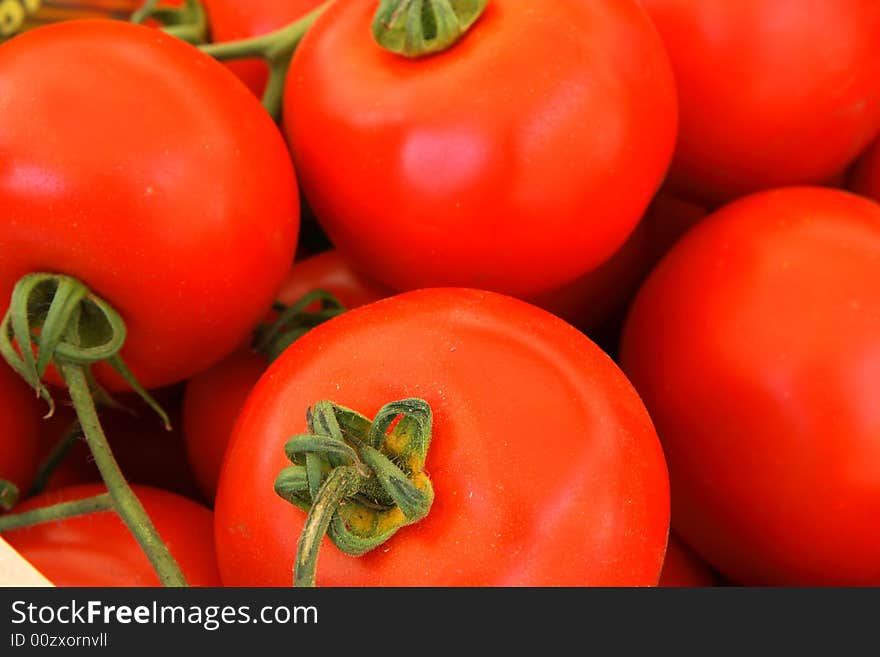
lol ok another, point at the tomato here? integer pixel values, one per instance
(682, 567)
(214, 397)
(755, 346)
(545, 467)
(516, 161)
(97, 550)
(770, 93)
(19, 446)
(865, 176)
(166, 188)
(147, 453)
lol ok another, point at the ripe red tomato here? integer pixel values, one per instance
(213, 398)
(515, 161)
(165, 187)
(682, 567)
(19, 445)
(97, 550)
(146, 452)
(545, 466)
(770, 93)
(756, 346)
(865, 176)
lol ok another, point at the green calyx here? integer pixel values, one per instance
(54, 318)
(294, 321)
(360, 481)
(415, 28)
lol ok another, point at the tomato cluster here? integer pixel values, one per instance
(437, 294)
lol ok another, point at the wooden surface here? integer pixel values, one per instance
(15, 571)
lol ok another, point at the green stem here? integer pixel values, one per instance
(276, 48)
(125, 501)
(188, 23)
(62, 511)
(294, 321)
(9, 495)
(55, 457)
(340, 484)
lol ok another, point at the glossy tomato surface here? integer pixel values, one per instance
(213, 398)
(756, 346)
(97, 550)
(165, 187)
(545, 465)
(515, 161)
(770, 93)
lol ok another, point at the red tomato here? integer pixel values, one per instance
(147, 453)
(683, 568)
(515, 161)
(19, 445)
(183, 216)
(213, 398)
(756, 347)
(97, 550)
(771, 93)
(545, 466)
(865, 176)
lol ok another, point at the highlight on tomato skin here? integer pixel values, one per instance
(505, 380)
(97, 550)
(754, 346)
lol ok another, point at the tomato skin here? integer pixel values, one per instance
(770, 93)
(19, 445)
(545, 465)
(515, 161)
(754, 344)
(143, 210)
(682, 567)
(97, 550)
(213, 398)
